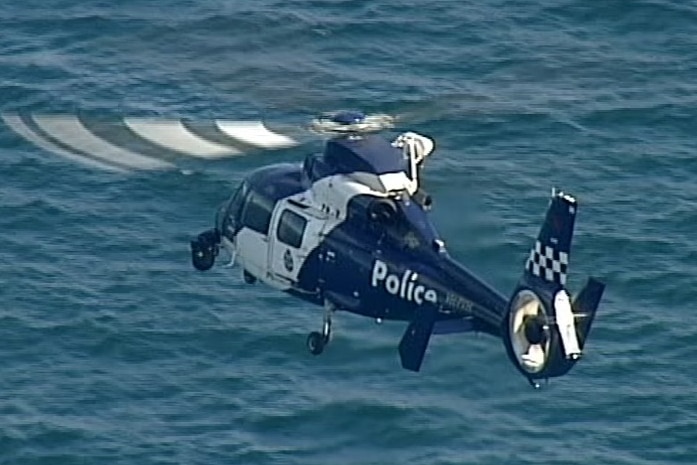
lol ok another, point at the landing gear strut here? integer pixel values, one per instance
(316, 340)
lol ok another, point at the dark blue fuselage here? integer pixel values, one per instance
(388, 268)
(349, 230)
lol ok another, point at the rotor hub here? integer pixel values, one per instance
(348, 117)
(350, 123)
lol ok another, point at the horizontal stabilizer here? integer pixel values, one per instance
(464, 325)
(415, 340)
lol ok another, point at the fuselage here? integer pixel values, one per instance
(349, 230)
(365, 252)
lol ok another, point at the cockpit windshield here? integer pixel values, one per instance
(228, 216)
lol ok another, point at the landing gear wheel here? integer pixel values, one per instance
(248, 277)
(315, 343)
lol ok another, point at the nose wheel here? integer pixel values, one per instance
(317, 340)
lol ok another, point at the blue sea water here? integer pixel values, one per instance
(113, 350)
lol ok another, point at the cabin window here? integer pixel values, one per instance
(257, 213)
(291, 228)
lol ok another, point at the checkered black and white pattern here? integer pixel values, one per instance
(548, 263)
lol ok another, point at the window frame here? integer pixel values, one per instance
(285, 227)
(259, 202)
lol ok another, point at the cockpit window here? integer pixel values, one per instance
(291, 228)
(228, 216)
(257, 213)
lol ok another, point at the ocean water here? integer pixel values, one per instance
(113, 350)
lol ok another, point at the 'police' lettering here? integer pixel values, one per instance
(406, 287)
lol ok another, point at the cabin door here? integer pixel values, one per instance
(294, 234)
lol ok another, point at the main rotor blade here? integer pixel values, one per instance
(173, 135)
(255, 133)
(133, 143)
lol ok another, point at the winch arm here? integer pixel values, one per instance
(416, 148)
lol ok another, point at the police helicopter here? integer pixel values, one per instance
(348, 229)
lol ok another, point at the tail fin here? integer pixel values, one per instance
(585, 305)
(549, 257)
(544, 332)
